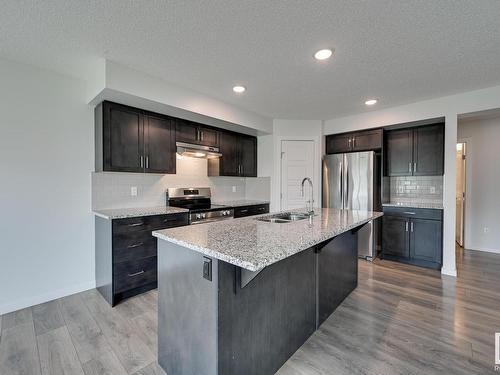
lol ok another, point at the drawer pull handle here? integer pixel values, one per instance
(409, 213)
(168, 219)
(243, 211)
(135, 274)
(136, 224)
(135, 245)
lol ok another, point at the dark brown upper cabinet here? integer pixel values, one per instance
(191, 132)
(128, 139)
(239, 156)
(354, 142)
(417, 151)
(159, 142)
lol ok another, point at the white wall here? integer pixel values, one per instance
(449, 107)
(46, 156)
(483, 183)
(112, 190)
(293, 130)
(117, 82)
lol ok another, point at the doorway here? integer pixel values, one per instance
(461, 159)
(297, 162)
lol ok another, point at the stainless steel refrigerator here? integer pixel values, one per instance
(352, 181)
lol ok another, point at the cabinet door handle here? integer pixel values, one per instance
(406, 226)
(135, 274)
(135, 245)
(353, 142)
(411, 226)
(136, 224)
(409, 213)
(142, 161)
(409, 167)
(201, 135)
(414, 167)
(349, 143)
(147, 162)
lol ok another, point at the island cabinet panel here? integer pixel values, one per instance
(337, 273)
(264, 323)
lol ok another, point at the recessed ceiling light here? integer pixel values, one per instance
(323, 54)
(239, 89)
(371, 101)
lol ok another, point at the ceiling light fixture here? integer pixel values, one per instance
(323, 54)
(371, 101)
(239, 89)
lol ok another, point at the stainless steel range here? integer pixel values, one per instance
(198, 202)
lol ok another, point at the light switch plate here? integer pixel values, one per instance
(234, 189)
(133, 191)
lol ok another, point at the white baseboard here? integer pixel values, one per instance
(35, 300)
(485, 249)
(449, 271)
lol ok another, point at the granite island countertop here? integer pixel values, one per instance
(434, 206)
(253, 244)
(123, 213)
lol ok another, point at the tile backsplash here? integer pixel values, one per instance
(417, 189)
(113, 190)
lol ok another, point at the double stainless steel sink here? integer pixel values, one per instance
(286, 217)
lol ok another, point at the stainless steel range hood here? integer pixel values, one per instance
(197, 151)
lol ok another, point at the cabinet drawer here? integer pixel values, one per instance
(133, 246)
(133, 224)
(420, 213)
(251, 210)
(135, 273)
(158, 222)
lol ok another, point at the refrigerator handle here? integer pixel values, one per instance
(342, 184)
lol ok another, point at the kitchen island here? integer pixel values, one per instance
(241, 296)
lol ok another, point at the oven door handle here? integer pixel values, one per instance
(212, 220)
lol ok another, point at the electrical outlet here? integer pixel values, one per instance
(133, 191)
(234, 189)
(486, 229)
(433, 189)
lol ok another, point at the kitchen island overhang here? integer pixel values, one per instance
(226, 310)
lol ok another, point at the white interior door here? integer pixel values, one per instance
(460, 194)
(297, 162)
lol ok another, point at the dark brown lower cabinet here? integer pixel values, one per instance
(413, 236)
(126, 254)
(251, 210)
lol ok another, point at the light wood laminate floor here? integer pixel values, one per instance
(400, 320)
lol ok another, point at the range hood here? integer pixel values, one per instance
(197, 151)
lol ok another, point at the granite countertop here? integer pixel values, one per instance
(241, 203)
(123, 213)
(435, 206)
(254, 244)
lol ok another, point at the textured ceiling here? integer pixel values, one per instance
(399, 51)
